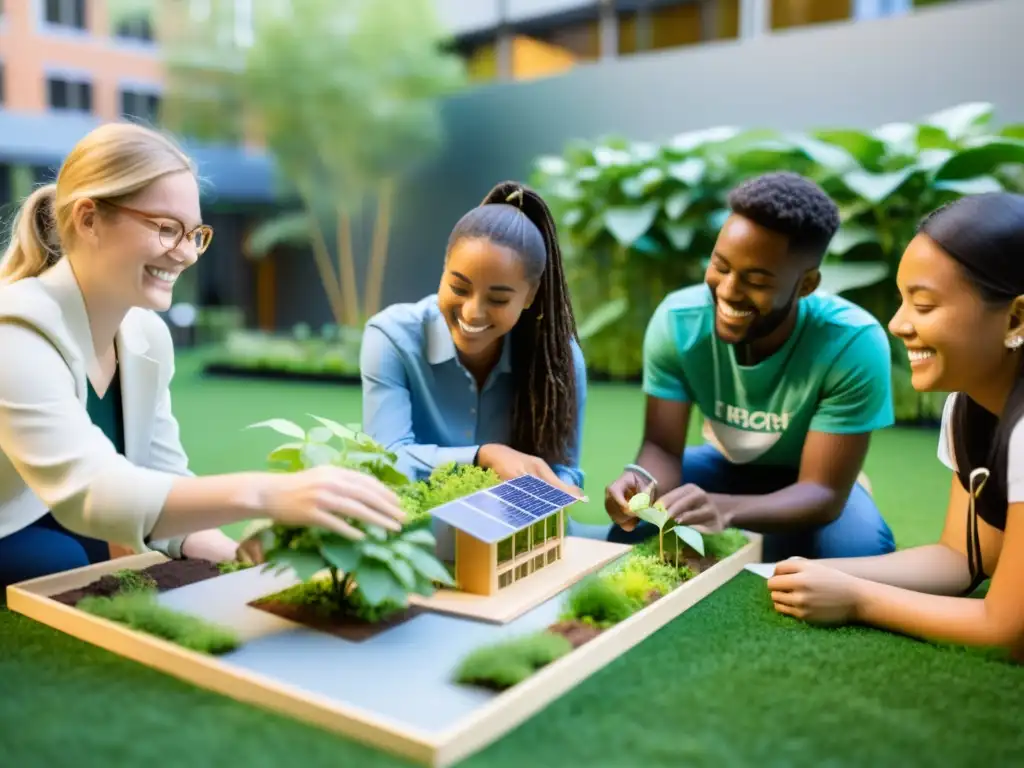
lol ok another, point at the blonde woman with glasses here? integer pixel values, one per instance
(89, 449)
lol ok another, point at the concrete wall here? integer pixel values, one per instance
(862, 74)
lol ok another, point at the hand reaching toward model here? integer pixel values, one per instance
(509, 464)
(325, 496)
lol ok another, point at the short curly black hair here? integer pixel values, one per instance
(792, 205)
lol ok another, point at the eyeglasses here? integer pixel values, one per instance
(170, 231)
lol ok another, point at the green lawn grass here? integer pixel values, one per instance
(731, 683)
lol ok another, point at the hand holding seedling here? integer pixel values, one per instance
(690, 505)
(322, 496)
(618, 497)
(509, 464)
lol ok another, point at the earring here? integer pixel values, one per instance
(1015, 342)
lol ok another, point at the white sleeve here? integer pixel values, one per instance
(946, 434)
(1015, 465)
(66, 460)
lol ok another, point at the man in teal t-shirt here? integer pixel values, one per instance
(791, 384)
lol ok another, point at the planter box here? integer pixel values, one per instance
(393, 691)
(280, 374)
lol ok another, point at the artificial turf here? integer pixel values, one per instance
(732, 683)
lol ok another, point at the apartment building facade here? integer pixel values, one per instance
(520, 39)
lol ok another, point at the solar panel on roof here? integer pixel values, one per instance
(496, 513)
(470, 520)
(537, 487)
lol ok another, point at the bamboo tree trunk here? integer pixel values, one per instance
(379, 247)
(347, 269)
(325, 267)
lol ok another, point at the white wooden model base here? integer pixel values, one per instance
(332, 683)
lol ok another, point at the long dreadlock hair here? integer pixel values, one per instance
(544, 389)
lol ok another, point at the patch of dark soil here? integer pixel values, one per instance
(699, 564)
(576, 632)
(169, 575)
(345, 626)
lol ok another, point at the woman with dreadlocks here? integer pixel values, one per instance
(488, 370)
(962, 322)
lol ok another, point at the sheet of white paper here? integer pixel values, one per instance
(765, 570)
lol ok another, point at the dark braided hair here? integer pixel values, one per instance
(544, 389)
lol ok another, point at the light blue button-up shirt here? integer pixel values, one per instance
(424, 405)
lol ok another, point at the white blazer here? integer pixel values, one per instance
(52, 457)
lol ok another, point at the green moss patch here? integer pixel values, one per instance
(140, 611)
(505, 664)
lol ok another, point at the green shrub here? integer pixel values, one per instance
(640, 574)
(504, 664)
(134, 581)
(140, 611)
(448, 482)
(598, 601)
(728, 542)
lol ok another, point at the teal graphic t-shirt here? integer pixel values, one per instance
(833, 374)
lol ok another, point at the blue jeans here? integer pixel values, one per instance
(46, 547)
(859, 530)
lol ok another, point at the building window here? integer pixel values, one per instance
(141, 105)
(66, 13)
(879, 9)
(134, 28)
(74, 95)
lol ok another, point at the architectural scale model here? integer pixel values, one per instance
(506, 533)
(419, 686)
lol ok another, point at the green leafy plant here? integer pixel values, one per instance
(139, 610)
(656, 514)
(380, 570)
(639, 219)
(641, 576)
(504, 664)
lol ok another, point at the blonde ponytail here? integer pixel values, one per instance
(110, 162)
(35, 244)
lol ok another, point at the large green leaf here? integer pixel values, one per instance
(866, 149)
(976, 186)
(689, 171)
(419, 537)
(604, 316)
(847, 276)
(677, 203)
(849, 237)
(375, 581)
(962, 120)
(305, 564)
(285, 229)
(654, 515)
(343, 555)
(627, 224)
(982, 157)
(335, 427)
(680, 235)
(426, 564)
(689, 536)
(877, 187)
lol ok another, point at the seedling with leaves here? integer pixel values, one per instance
(656, 514)
(368, 577)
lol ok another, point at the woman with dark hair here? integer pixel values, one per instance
(962, 321)
(488, 370)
